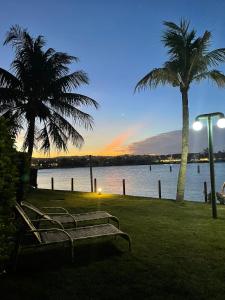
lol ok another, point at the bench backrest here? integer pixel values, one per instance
(28, 222)
(35, 209)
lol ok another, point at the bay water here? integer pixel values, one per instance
(140, 181)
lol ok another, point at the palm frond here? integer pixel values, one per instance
(57, 135)
(73, 80)
(176, 37)
(205, 41)
(69, 131)
(76, 100)
(10, 96)
(160, 76)
(8, 80)
(213, 75)
(43, 137)
(78, 117)
(215, 57)
(182, 29)
(48, 53)
(20, 71)
(39, 42)
(62, 58)
(15, 35)
(27, 137)
(15, 119)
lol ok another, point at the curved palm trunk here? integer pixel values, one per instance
(30, 137)
(184, 155)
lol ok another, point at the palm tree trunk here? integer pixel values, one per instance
(185, 139)
(30, 137)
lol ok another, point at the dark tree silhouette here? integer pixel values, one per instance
(38, 95)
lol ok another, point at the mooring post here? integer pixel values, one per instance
(95, 185)
(198, 169)
(170, 168)
(159, 187)
(205, 192)
(91, 174)
(72, 184)
(124, 188)
(150, 168)
(52, 183)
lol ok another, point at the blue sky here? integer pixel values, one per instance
(118, 42)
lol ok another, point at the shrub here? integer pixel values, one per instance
(22, 164)
(8, 168)
(8, 182)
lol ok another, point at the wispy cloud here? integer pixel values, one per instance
(118, 145)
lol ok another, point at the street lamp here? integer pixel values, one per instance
(198, 126)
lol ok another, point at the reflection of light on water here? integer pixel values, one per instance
(139, 180)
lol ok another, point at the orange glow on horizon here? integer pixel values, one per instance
(115, 147)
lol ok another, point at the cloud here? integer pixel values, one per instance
(170, 142)
(117, 145)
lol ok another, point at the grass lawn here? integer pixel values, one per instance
(178, 252)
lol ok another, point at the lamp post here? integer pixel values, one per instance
(198, 126)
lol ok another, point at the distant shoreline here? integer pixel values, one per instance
(121, 165)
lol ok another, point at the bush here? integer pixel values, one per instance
(22, 164)
(7, 239)
(8, 170)
(8, 182)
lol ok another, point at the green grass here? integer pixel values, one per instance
(178, 252)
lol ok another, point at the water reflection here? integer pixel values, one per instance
(140, 181)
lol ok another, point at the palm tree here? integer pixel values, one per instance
(189, 60)
(38, 95)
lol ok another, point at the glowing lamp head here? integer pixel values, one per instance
(197, 125)
(99, 191)
(221, 123)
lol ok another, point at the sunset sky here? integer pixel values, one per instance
(118, 42)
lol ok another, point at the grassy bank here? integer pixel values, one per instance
(178, 253)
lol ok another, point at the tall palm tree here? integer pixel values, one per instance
(189, 60)
(38, 94)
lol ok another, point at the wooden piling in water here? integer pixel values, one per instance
(95, 185)
(72, 187)
(198, 169)
(205, 192)
(170, 168)
(124, 188)
(150, 168)
(52, 183)
(91, 173)
(159, 188)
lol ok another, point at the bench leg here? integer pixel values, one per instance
(126, 237)
(72, 251)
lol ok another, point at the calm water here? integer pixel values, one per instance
(139, 180)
